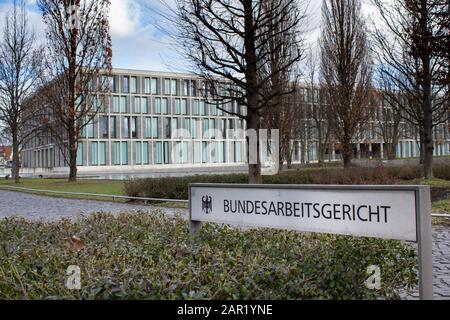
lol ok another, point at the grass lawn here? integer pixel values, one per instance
(116, 187)
(441, 206)
(113, 187)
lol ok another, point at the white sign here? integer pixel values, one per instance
(373, 211)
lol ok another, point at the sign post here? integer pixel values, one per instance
(388, 212)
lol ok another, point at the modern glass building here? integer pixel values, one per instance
(148, 120)
(161, 121)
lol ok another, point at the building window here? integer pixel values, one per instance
(173, 87)
(202, 108)
(185, 87)
(126, 127)
(155, 128)
(158, 105)
(213, 109)
(237, 152)
(116, 153)
(195, 108)
(212, 129)
(187, 128)
(194, 132)
(133, 85)
(184, 106)
(158, 152)
(138, 153)
(134, 130)
(124, 153)
(90, 129)
(144, 105)
(148, 127)
(214, 152)
(154, 86)
(125, 84)
(123, 104)
(137, 105)
(177, 106)
(193, 88)
(197, 152)
(205, 127)
(164, 106)
(166, 152)
(145, 153)
(102, 153)
(222, 153)
(79, 154)
(113, 127)
(104, 127)
(116, 104)
(94, 154)
(166, 86)
(176, 132)
(147, 87)
(167, 130)
(204, 151)
(224, 128)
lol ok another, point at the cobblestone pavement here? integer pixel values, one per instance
(441, 265)
(32, 206)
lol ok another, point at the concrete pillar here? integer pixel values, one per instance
(333, 152)
(370, 151)
(381, 150)
(358, 150)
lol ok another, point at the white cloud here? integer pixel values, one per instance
(124, 18)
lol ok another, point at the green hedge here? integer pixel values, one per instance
(151, 256)
(177, 187)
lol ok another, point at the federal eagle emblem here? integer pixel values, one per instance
(206, 204)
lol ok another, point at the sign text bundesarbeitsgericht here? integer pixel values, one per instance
(388, 212)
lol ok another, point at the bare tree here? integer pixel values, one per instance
(288, 116)
(20, 66)
(283, 112)
(346, 70)
(387, 117)
(318, 112)
(222, 38)
(78, 63)
(411, 59)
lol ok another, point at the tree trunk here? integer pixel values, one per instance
(289, 155)
(16, 159)
(428, 145)
(390, 151)
(321, 153)
(254, 169)
(422, 149)
(347, 152)
(73, 157)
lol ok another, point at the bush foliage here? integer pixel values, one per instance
(152, 256)
(177, 187)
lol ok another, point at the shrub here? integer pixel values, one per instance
(177, 187)
(442, 171)
(135, 256)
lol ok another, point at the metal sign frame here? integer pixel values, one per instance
(422, 212)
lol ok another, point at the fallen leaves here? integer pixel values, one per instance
(74, 243)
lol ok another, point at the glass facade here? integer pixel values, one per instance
(159, 119)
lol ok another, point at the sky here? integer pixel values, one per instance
(139, 44)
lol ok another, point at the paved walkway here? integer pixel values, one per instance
(441, 264)
(32, 206)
